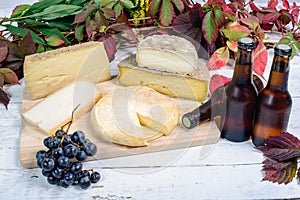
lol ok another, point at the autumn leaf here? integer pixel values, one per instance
(209, 28)
(217, 81)
(3, 53)
(166, 13)
(4, 99)
(272, 4)
(271, 17)
(154, 7)
(286, 4)
(109, 45)
(27, 45)
(260, 58)
(219, 58)
(233, 46)
(253, 6)
(55, 41)
(279, 172)
(9, 76)
(236, 31)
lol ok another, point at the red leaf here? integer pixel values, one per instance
(82, 16)
(196, 15)
(260, 58)
(27, 45)
(109, 45)
(219, 58)
(9, 76)
(209, 28)
(271, 17)
(3, 53)
(272, 4)
(217, 81)
(4, 98)
(233, 46)
(286, 4)
(253, 6)
(55, 41)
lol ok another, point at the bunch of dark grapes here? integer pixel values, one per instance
(62, 165)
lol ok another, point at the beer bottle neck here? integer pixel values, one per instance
(243, 67)
(279, 74)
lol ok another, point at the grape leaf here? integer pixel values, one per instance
(253, 6)
(81, 17)
(209, 28)
(166, 13)
(270, 17)
(233, 46)
(217, 81)
(236, 31)
(219, 17)
(279, 172)
(286, 4)
(9, 76)
(154, 7)
(281, 148)
(55, 41)
(272, 4)
(4, 98)
(219, 58)
(3, 53)
(260, 58)
(27, 45)
(109, 45)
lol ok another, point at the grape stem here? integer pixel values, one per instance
(71, 121)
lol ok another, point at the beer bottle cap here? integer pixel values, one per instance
(188, 121)
(283, 49)
(246, 43)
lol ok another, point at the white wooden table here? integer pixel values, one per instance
(225, 170)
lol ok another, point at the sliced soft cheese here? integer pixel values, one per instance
(47, 72)
(167, 53)
(56, 109)
(174, 85)
(117, 116)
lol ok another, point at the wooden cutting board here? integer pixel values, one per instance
(32, 138)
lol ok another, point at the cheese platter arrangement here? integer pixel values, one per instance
(137, 112)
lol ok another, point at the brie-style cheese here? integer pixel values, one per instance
(167, 53)
(47, 72)
(56, 109)
(171, 84)
(132, 116)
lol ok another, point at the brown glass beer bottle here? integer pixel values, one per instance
(274, 102)
(241, 95)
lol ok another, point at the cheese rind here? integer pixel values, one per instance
(56, 109)
(47, 72)
(122, 125)
(167, 53)
(174, 85)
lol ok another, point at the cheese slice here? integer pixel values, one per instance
(117, 116)
(171, 84)
(167, 53)
(56, 109)
(47, 72)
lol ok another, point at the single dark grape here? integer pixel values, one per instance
(46, 173)
(57, 152)
(70, 150)
(64, 140)
(76, 167)
(69, 178)
(40, 161)
(60, 132)
(52, 180)
(41, 153)
(47, 141)
(62, 183)
(81, 155)
(63, 161)
(78, 137)
(90, 149)
(48, 164)
(95, 177)
(85, 182)
(51, 142)
(86, 142)
(58, 172)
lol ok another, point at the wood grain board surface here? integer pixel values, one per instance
(32, 138)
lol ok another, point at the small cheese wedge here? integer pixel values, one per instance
(167, 53)
(47, 72)
(171, 84)
(117, 116)
(56, 109)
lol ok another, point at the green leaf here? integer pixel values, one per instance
(19, 10)
(127, 4)
(284, 41)
(57, 11)
(54, 32)
(118, 10)
(105, 3)
(236, 31)
(41, 5)
(33, 22)
(55, 41)
(166, 13)
(79, 32)
(9, 76)
(179, 5)
(209, 28)
(22, 32)
(154, 7)
(219, 17)
(64, 25)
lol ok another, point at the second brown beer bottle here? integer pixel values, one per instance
(241, 95)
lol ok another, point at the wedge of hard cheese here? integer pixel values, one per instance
(47, 72)
(132, 116)
(174, 85)
(56, 109)
(167, 53)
